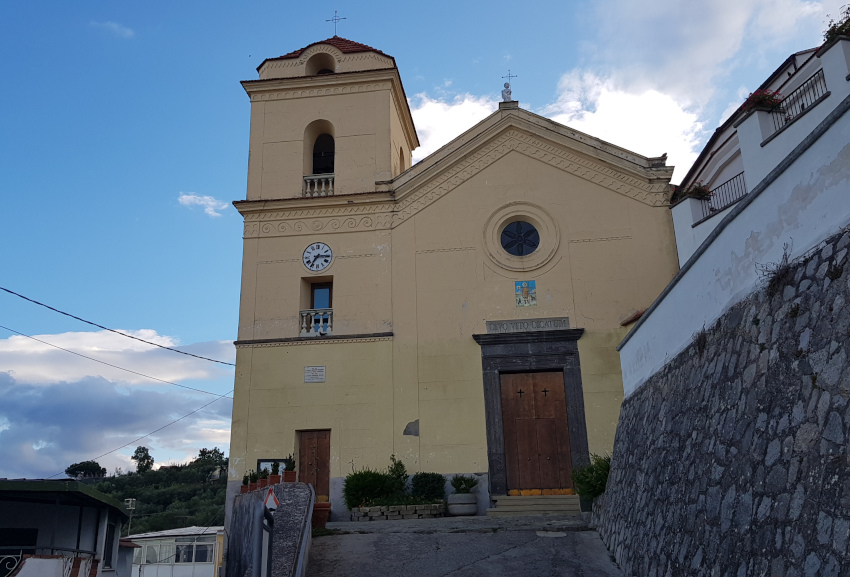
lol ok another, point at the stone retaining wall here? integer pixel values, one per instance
(733, 459)
(396, 512)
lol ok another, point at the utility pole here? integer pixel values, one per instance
(130, 505)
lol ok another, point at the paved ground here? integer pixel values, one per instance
(467, 547)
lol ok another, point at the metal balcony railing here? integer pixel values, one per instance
(318, 185)
(800, 100)
(11, 557)
(725, 195)
(316, 322)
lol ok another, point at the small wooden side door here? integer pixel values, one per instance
(314, 461)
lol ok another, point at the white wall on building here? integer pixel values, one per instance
(803, 206)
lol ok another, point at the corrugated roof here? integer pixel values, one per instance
(182, 532)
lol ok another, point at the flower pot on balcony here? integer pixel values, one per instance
(262, 482)
(243, 488)
(321, 512)
(252, 486)
(289, 476)
(274, 479)
(463, 504)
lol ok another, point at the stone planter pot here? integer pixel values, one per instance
(252, 486)
(289, 476)
(463, 504)
(243, 488)
(274, 479)
(262, 483)
(321, 512)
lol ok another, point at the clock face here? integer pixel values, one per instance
(317, 256)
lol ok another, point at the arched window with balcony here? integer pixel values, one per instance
(319, 158)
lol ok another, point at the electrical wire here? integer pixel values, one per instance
(113, 330)
(152, 432)
(110, 364)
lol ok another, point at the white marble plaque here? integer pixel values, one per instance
(314, 374)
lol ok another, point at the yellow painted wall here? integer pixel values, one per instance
(413, 259)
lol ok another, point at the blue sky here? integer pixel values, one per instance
(112, 112)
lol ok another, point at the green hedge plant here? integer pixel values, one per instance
(430, 487)
(590, 481)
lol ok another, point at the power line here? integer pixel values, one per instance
(110, 364)
(113, 330)
(153, 432)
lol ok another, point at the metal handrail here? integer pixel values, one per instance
(800, 100)
(306, 537)
(725, 195)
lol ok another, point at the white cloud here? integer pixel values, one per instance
(46, 428)
(684, 48)
(32, 362)
(210, 204)
(114, 28)
(439, 121)
(647, 122)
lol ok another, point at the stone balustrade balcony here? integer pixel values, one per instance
(318, 185)
(316, 322)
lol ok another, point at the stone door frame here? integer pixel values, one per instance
(528, 352)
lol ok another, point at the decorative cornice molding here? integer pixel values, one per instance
(297, 341)
(602, 239)
(529, 337)
(391, 212)
(271, 94)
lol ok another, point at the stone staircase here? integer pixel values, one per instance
(535, 505)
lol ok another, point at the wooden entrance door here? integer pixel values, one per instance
(537, 433)
(314, 461)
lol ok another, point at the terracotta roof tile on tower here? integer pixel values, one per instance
(344, 45)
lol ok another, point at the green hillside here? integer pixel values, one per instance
(173, 496)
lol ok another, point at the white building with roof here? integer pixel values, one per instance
(185, 552)
(780, 179)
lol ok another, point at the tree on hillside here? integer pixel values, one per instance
(85, 470)
(214, 456)
(144, 461)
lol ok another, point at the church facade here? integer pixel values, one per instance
(462, 313)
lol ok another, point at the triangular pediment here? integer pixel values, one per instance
(643, 179)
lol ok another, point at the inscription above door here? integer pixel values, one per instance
(536, 429)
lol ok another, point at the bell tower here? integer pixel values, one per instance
(329, 119)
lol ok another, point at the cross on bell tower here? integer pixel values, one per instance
(336, 20)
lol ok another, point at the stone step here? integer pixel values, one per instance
(505, 513)
(539, 499)
(535, 505)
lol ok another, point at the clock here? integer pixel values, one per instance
(317, 256)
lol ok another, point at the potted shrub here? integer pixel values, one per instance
(590, 481)
(274, 477)
(252, 480)
(699, 191)
(244, 488)
(463, 501)
(264, 478)
(289, 469)
(762, 99)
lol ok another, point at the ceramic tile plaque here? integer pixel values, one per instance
(314, 374)
(526, 293)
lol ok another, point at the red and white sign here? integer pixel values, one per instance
(271, 501)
